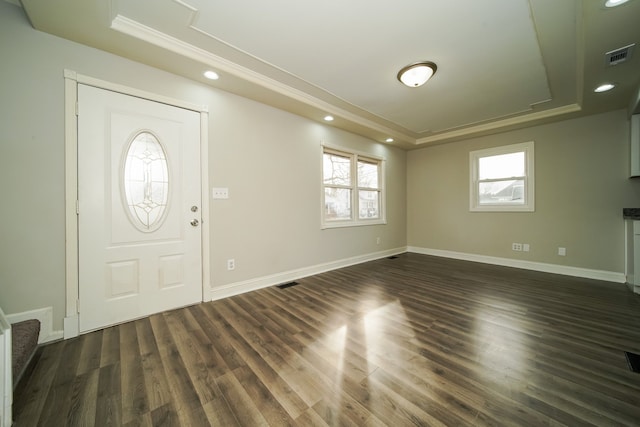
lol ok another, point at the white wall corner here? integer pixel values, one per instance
(608, 276)
(45, 316)
(238, 288)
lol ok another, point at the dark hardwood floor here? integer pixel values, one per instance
(416, 340)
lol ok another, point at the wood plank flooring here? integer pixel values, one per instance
(416, 340)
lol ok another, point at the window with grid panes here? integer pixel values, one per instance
(352, 189)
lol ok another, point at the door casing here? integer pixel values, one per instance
(72, 79)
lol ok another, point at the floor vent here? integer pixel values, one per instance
(633, 360)
(287, 285)
(392, 257)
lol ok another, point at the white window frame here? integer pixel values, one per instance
(529, 180)
(355, 219)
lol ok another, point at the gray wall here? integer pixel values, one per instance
(582, 184)
(269, 159)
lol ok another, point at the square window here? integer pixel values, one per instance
(502, 179)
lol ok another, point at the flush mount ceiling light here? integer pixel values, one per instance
(417, 74)
(604, 87)
(614, 3)
(388, 140)
(328, 118)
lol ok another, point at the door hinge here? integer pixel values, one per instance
(77, 207)
(78, 306)
(77, 108)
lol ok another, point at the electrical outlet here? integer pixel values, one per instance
(516, 247)
(231, 264)
(525, 247)
(562, 251)
(220, 193)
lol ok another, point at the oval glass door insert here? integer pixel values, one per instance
(146, 181)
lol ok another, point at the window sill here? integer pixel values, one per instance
(361, 223)
(502, 208)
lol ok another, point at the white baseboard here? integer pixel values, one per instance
(71, 327)
(609, 276)
(45, 316)
(287, 276)
(633, 288)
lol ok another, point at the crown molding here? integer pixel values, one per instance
(499, 124)
(150, 35)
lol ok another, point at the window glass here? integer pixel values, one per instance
(501, 166)
(146, 181)
(336, 169)
(368, 203)
(367, 174)
(337, 203)
(498, 192)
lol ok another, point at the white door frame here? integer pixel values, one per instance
(71, 81)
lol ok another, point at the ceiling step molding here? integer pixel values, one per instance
(157, 38)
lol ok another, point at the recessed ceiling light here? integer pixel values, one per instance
(604, 87)
(328, 118)
(211, 75)
(417, 74)
(388, 140)
(614, 3)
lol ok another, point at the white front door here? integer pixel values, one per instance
(139, 233)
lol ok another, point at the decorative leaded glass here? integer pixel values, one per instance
(146, 181)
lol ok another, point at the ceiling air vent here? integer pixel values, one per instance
(617, 56)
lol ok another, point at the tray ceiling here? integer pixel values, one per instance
(501, 64)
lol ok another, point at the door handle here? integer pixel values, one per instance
(194, 222)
